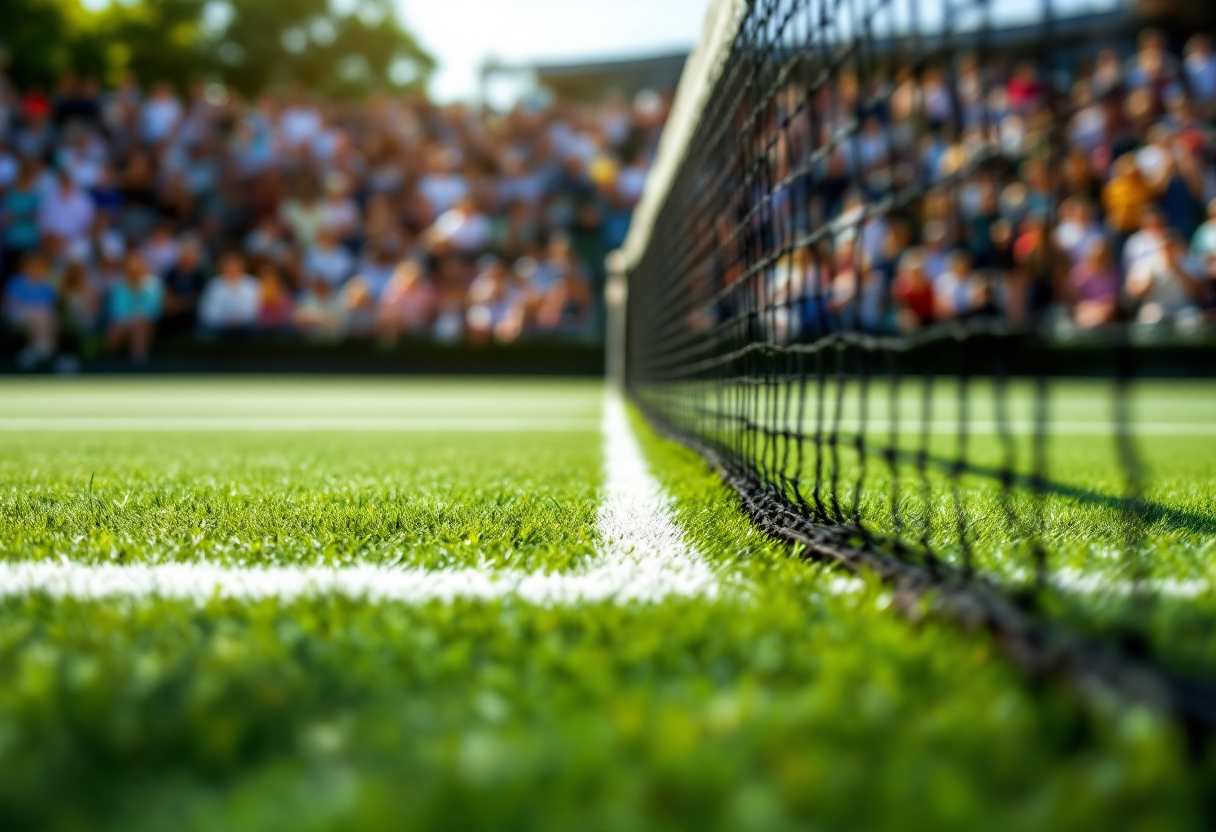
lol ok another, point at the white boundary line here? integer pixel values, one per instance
(642, 558)
(282, 424)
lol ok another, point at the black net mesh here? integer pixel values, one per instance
(856, 254)
(887, 233)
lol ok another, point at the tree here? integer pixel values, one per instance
(45, 38)
(334, 48)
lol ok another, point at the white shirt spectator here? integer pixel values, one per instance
(340, 216)
(9, 167)
(84, 169)
(466, 231)
(1152, 160)
(1143, 245)
(160, 253)
(303, 219)
(443, 190)
(331, 263)
(1076, 237)
(1166, 295)
(159, 118)
(67, 214)
(298, 126)
(228, 304)
(631, 180)
(1201, 75)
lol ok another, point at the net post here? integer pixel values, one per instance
(616, 295)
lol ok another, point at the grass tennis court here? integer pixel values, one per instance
(323, 604)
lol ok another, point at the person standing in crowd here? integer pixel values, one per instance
(133, 309)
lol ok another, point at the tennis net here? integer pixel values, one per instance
(874, 233)
(854, 240)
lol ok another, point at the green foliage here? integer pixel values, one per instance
(45, 38)
(335, 51)
(305, 42)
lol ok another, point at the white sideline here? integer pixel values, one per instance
(642, 557)
(292, 424)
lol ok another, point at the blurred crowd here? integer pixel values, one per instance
(132, 214)
(1086, 197)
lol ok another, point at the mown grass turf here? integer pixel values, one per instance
(524, 499)
(778, 706)
(1080, 522)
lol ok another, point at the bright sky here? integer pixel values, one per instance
(462, 33)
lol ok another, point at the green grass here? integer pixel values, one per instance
(780, 705)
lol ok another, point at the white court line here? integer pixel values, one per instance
(642, 557)
(291, 424)
(1072, 580)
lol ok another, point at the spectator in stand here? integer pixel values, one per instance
(320, 315)
(1203, 244)
(339, 213)
(232, 300)
(80, 307)
(1173, 176)
(376, 269)
(1152, 68)
(1162, 285)
(304, 215)
(1093, 286)
(65, 216)
(160, 252)
(133, 309)
(184, 282)
(328, 260)
(29, 309)
(359, 306)
(161, 114)
(954, 288)
(462, 229)
(1077, 229)
(265, 243)
(299, 124)
(407, 305)
(444, 185)
(19, 219)
(1200, 66)
(913, 292)
(1125, 198)
(566, 305)
(497, 303)
(276, 305)
(1148, 241)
